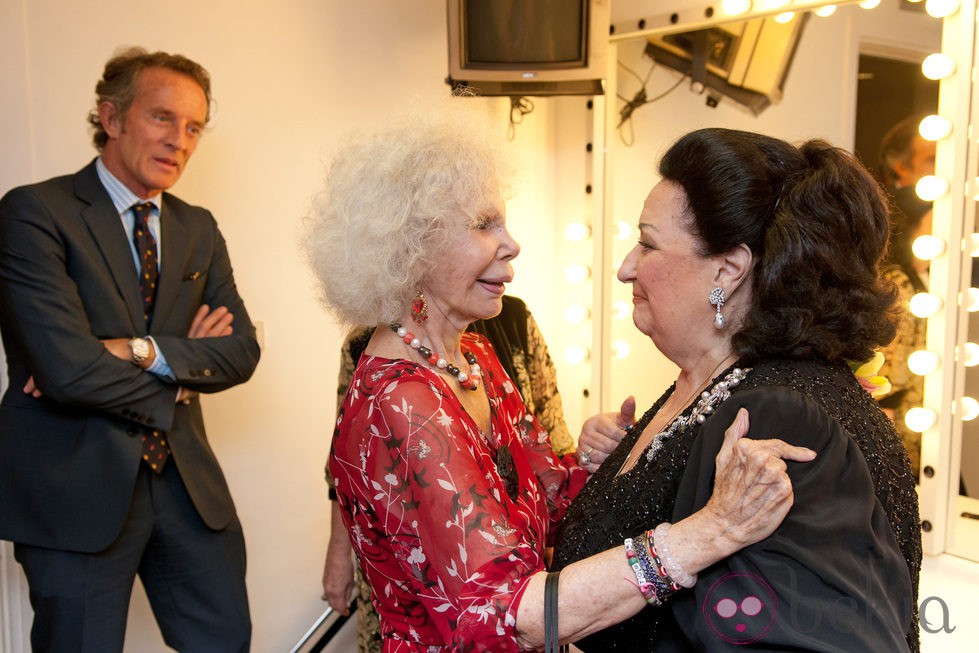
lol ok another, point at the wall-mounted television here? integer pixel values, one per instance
(747, 61)
(528, 47)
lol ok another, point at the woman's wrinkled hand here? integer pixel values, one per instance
(601, 434)
(752, 491)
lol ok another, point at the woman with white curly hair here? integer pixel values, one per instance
(449, 489)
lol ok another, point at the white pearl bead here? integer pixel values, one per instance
(442, 364)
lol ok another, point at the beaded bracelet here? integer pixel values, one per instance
(645, 587)
(661, 581)
(662, 538)
(650, 542)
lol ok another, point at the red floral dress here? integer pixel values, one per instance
(448, 525)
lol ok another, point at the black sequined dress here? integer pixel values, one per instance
(839, 574)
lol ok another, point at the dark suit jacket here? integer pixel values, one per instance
(68, 461)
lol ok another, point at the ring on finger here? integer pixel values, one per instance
(584, 458)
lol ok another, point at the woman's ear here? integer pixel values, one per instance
(734, 267)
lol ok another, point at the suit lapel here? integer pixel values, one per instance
(106, 228)
(174, 260)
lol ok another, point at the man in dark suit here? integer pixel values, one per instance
(116, 309)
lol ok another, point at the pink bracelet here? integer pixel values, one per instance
(662, 538)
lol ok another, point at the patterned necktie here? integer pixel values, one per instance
(155, 448)
(146, 251)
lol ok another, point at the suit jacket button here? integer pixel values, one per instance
(149, 420)
(195, 373)
(208, 372)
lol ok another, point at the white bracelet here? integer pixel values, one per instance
(661, 537)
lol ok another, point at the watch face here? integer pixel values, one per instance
(141, 348)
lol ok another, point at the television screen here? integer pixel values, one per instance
(537, 32)
(528, 47)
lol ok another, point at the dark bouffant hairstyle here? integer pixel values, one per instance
(817, 225)
(118, 83)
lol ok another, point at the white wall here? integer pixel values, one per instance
(289, 78)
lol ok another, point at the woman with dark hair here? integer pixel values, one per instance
(758, 272)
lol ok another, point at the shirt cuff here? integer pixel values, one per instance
(160, 367)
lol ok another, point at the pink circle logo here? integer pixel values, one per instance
(740, 608)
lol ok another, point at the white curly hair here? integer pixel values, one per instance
(394, 201)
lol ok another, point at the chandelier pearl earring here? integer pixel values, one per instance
(717, 298)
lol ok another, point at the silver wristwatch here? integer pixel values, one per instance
(141, 351)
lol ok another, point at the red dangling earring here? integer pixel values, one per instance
(419, 308)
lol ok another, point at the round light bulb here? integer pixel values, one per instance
(920, 419)
(928, 247)
(785, 17)
(923, 362)
(620, 348)
(933, 128)
(825, 10)
(577, 273)
(735, 7)
(576, 314)
(968, 409)
(576, 354)
(969, 354)
(941, 8)
(930, 188)
(971, 300)
(924, 304)
(621, 309)
(869, 4)
(623, 231)
(577, 231)
(937, 66)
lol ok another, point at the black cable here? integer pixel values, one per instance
(519, 107)
(638, 100)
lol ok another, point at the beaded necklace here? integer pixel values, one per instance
(709, 400)
(468, 381)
